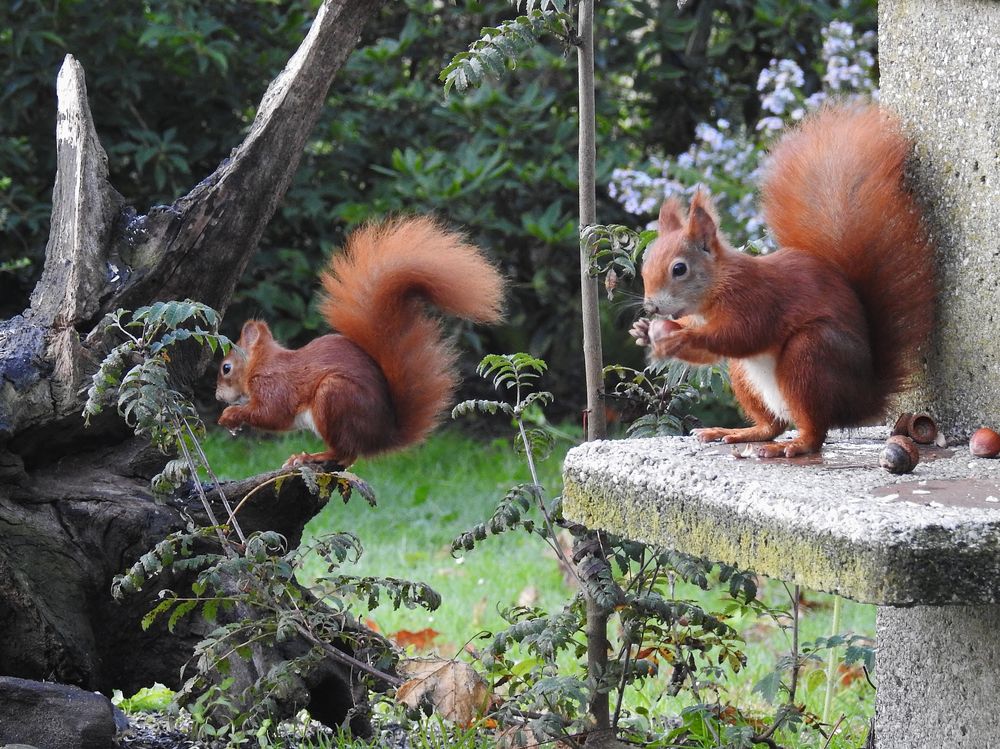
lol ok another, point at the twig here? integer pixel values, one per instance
(215, 481)
(556, 546)
(765, 738)
(834, 731)
(349, 660)
(272, 480)
(226, 546)
(622, 681)
(766, 741)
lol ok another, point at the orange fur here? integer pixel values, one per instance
(834, 188)
(823, 331)
(384, 380)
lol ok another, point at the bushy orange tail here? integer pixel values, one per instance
(376, 291)
(834, 188)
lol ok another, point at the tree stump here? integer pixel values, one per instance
(75, 504)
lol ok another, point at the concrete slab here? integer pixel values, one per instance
(836, 522)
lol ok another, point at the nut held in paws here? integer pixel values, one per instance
(661, 327)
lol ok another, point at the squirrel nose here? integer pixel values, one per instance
(650, 307)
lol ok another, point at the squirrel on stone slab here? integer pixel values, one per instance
(823, 331)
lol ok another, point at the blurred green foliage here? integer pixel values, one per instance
(174, 84)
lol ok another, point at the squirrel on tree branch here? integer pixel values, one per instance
(823, 331)
(383, 380)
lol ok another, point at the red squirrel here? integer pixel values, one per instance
(383, 380)
(823, 331)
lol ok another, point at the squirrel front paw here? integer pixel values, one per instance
(660, 334)
(640, 331)
(231, 418)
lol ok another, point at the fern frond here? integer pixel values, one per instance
(499, 46)
(481, 406)
(509, 514)
(615, 247)
(539, 442)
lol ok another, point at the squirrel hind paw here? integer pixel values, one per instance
(790, 449)
(326, 459)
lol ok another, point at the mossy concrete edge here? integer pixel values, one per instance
(678, 495)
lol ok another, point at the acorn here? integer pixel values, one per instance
(918, 427)
(985, 443)
(900, 454)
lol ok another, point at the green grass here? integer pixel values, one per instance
(427, 496)
(430, 494)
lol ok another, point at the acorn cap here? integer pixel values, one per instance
(918, 427)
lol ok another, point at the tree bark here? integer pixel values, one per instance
(75, 505)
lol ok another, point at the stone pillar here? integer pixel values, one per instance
(938, 675)
(940, 71)
(939, 667)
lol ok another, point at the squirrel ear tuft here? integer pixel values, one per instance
(253, 332)
(702, 222)
(670, 216)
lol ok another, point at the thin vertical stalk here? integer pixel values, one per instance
(831, 663)
(796, 597)
(592, 354)
(597, 615)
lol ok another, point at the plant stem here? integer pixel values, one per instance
(193, 467)
(593, 356)
(831, 662)
(549, 526)
(833, 733)
(597, 665)
(797, 592)
(231, 520)
(765, 738)
(597, 615)
(260, 486)
(348, 660)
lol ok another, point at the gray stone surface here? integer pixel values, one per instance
(54, 716)
(940, 70)
(938, 673)
(837, 523)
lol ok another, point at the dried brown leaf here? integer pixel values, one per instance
(454, 689)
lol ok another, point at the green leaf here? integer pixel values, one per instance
(182, 609)
(160, 608)
(768, 686)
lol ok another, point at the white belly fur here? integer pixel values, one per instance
(760, 375)
(304, 420)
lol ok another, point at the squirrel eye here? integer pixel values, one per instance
(227, 368)
(679, 269)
